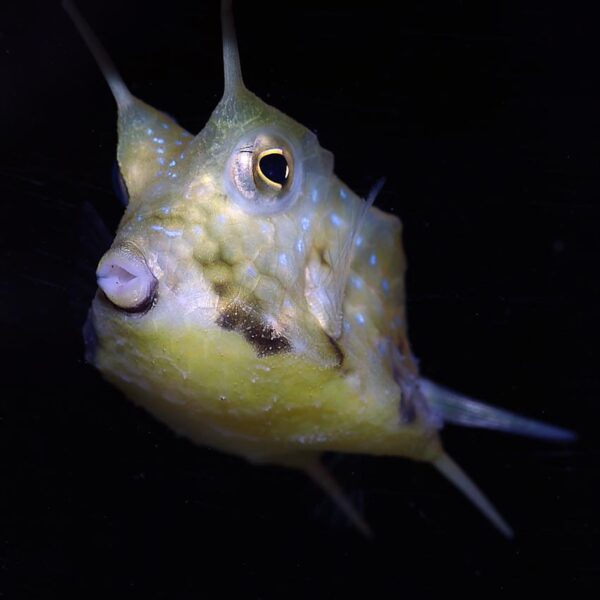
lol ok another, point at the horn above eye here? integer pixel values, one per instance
(126, 279)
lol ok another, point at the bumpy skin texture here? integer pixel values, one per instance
(273, 337)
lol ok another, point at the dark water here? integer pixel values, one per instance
(485, 121)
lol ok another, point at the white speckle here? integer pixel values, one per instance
(182, 156)
(197, 229)
(385, 284)
(305, 223)
(149, 131)
(335, 219)
(360, 319)
(160, 150)
(343, 194)
(165, 210)
(300, 246)
(167, 232)
(373, 259)
(139, 218)
(165, 125)
(315, 195)
(347, 327)
(172, 175)
(359, 241)
(158, 140)
(161, 161)
(172, 163)
(283, 259)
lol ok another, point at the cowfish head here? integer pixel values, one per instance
(229, 229)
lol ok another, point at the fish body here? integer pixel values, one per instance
(256, 304)
(242, 348)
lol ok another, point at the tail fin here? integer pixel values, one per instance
(445, 465)
(452, 407)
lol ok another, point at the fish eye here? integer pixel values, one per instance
(272, 168)
(261, 174)
(126, 279)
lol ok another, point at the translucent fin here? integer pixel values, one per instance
(116, 84)
(325, 285)
(447, 467)
(456, 408)
(321, 476)
(231, 57)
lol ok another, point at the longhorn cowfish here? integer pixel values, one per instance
(255, 304)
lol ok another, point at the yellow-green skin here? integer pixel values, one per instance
(326, 279)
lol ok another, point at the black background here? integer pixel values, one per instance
(484, 118)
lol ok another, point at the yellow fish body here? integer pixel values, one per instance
(255, 304)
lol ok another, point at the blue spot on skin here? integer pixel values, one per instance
(373, 260)
(305, 223)
(149, 131)
(360, 319)
(160, 150)
(182, 156)
(172, 175)
(172, 163)
(197, 229)
(315, 195)
(385, 284)
(343, 194)
(283, 259)
(335, 219)
(356, 282)
(165, 210)
(161, 161)
(178, 142)
(300, 246)
(165, 126)
(158, 140)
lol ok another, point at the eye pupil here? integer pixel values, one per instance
(275, 168)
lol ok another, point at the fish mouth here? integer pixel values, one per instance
(126, 280)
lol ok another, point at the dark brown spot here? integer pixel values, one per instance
(338, 351)
(248, 322)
